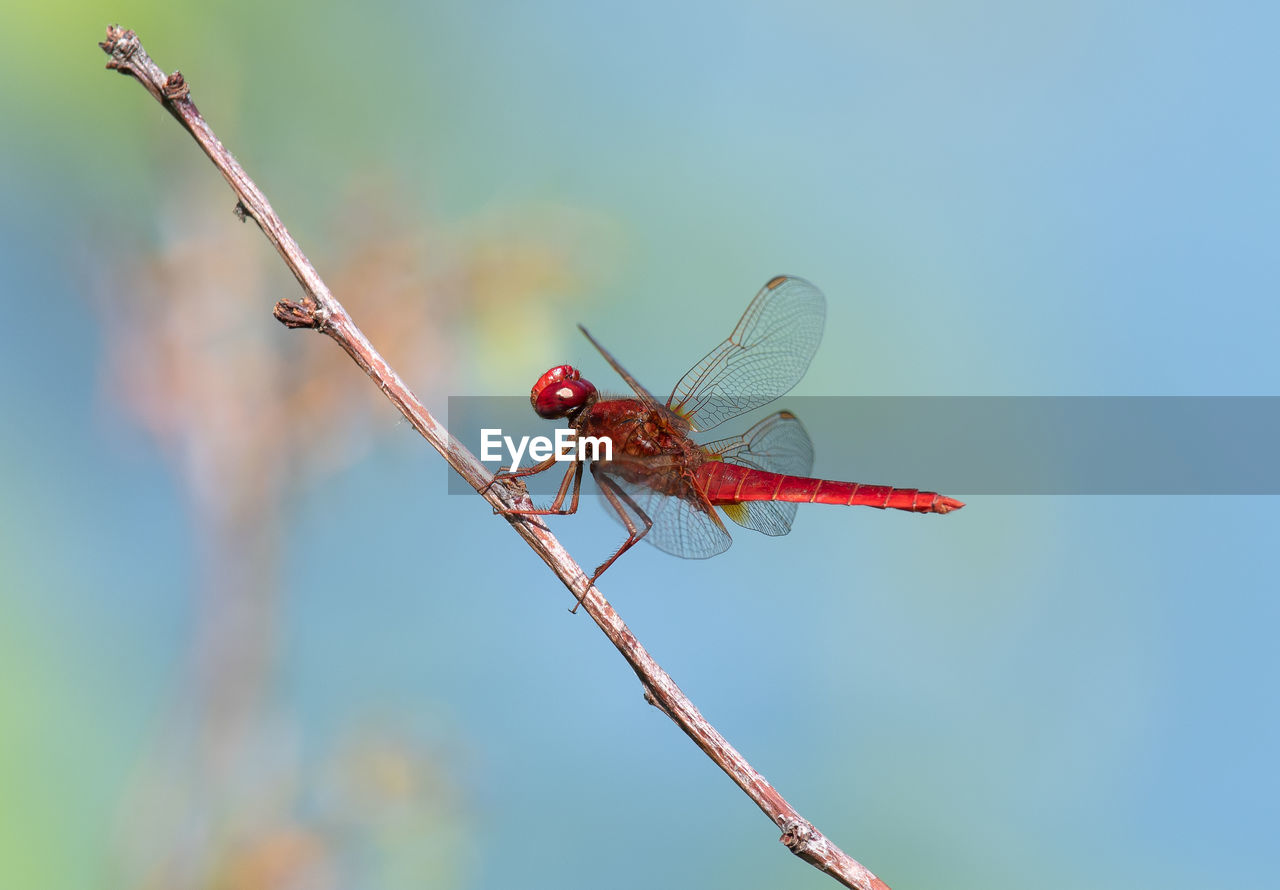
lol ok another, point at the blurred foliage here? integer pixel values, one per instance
(247, 420)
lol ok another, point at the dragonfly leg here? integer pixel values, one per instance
(572, 476)
(625, 507)
(504, 473)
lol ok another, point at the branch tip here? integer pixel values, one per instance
(120, 45)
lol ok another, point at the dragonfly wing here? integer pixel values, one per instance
(777, 444)
(680, 527)
(765, 356)
(641, 393)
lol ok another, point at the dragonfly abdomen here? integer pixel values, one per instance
(732, 484)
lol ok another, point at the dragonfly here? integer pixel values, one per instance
(670, 490)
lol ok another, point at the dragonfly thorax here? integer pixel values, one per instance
(560, 392)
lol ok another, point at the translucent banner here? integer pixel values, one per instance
(997, 445)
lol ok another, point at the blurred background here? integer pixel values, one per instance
(247, 639)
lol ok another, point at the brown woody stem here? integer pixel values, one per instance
(319, 310)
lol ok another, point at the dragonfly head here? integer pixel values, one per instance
(561, 392)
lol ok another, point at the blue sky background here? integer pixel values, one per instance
(998, 199)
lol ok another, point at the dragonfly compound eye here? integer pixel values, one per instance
(555, 375)
(560, 391)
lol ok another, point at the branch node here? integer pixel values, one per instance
(797, 834)
(242, 212)
(653, 700)
(297, 315)
(175, 87)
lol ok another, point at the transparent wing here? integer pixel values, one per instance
(765, 356)
(681, 527)
(777, 444)
(641, 393)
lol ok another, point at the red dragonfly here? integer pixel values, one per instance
(663, 485)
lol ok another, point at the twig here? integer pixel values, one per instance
(319, 310)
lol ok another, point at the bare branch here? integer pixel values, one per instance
(319, 310)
